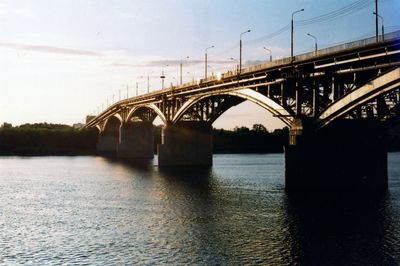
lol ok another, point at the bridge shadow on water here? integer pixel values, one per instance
(329, 228)
(341, 228)
(228, 223)
(196, 177)
(141, 164)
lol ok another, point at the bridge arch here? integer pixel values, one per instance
(112, 123)
(245, 94)
(151, 107)
(374, 88)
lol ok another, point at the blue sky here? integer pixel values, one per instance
(62, 59)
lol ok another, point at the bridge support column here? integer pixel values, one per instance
(346, 155)
(136, 141)
(186, 143)
(107, 142)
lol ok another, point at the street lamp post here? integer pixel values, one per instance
(315, 39)
(187, 57)
(192, 74)
(240, 54)
(148, 82)
(237, 65)
(270, 53)
(162, 77)
(376, 21)
(205, 66)
(383, 27)
(291, 39)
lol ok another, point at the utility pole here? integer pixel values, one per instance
(205, 67)
(270, 53)
(187, 57)
(292, 30)
(383, 27)
(240, 47)
(376, 21)
(162, 79)
(316, 40)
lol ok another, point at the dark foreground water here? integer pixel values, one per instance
(90, 210)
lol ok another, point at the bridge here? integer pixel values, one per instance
(337, 102)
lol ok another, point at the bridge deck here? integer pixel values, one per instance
(339, 54)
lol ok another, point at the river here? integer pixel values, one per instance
(96, 211)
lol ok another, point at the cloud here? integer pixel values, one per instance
(125, 15)
(165, 62)
(253, 62)
(126, 65)
(20, 12)
(49, 49)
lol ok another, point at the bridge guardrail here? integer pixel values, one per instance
(279, 62)
(326, 51)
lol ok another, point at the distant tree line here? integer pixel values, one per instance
(57, 139)
(46, 139)
(244, 140)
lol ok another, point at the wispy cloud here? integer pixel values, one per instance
(19, 12)
(253, 62)
(165, 62)
(49, 49)
(126, 65)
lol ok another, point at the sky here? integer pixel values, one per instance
(64, 59)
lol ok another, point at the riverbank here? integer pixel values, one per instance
(44, 139)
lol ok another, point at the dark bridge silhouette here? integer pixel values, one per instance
(336, 101)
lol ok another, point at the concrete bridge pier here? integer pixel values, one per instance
(107, 142)
(136, 141)
(186, 143)
(347, 155)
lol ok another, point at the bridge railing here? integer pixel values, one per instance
(326, 51)
(279, 62)
(285, 61)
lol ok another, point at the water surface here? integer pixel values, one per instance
(91, 210)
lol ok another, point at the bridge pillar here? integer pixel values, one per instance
(186, 143)
(346, 155)
(107, 142)
(136, 140)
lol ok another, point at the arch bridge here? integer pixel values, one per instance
(336, 101)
